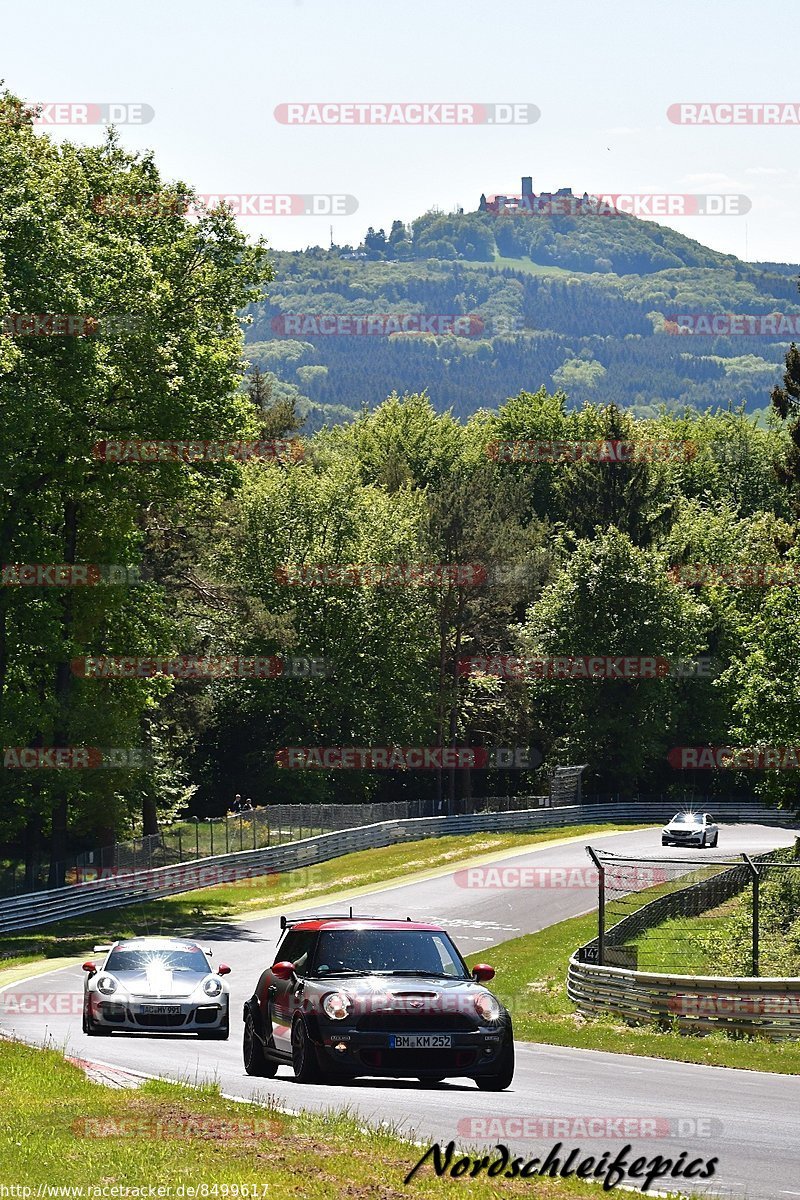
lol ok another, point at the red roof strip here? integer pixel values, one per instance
(361, 923)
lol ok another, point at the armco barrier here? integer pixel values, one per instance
(766, 1007)
(41, 908)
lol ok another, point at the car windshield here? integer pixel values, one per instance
(387, 952)
(159, 960)
(687, 819)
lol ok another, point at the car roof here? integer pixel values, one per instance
(155, 943)
(317, 923)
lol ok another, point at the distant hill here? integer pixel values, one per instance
(578, 303)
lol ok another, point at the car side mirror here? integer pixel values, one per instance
(283, 970)
(482, 972)
(90, 968)
(223, 970)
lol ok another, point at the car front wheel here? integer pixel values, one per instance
(304, 1055)
(93, 1030)
(501, 1079)
(255, 1060)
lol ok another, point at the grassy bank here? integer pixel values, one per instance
(192, 911)
(719, 941)
(60, 1130)
(532, 983)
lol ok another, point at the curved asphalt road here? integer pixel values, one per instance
(748, 1119)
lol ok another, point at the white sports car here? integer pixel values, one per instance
(690, 829)
(155, 985)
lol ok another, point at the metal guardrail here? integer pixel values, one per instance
(254, 829)
(766, 1007)
(41, 908)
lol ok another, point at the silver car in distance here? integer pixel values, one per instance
(690, 829)
(155, 985)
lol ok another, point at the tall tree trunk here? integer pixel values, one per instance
(149, 815)
(454, 696)
(63, 689)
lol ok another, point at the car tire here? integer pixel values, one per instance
(92, 1030)
(502, 1077)
(703, 842)
(305, 1062)
(715, 841)
(255, 1060)
(664, 842)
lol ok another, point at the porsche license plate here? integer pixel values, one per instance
(160, 1010)
(421, 1041)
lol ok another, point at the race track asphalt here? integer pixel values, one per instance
(749, 1120)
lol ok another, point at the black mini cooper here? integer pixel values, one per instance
(351, 996)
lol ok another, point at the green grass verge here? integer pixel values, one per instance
(191, 911)
(677, 946)
(61, 1130)
(532, 983)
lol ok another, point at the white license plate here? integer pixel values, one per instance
(421, 1041)
(161, 1010)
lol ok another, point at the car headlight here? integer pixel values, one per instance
(337, 1006)
(488, 1008)
(107, 984)
(212, 986)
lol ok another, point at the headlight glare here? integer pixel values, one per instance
(488, 1008)
(337, 1005)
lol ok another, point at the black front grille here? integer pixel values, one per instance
(206, 1016)
(422, 1022)
(160, 1020)
(113, 1012)
(409, 1062)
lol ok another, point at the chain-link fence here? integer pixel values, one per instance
(270, 825)
(710, 916)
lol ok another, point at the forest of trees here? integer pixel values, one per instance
(577, 557)
(604, 337)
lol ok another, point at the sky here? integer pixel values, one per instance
(601, 75)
